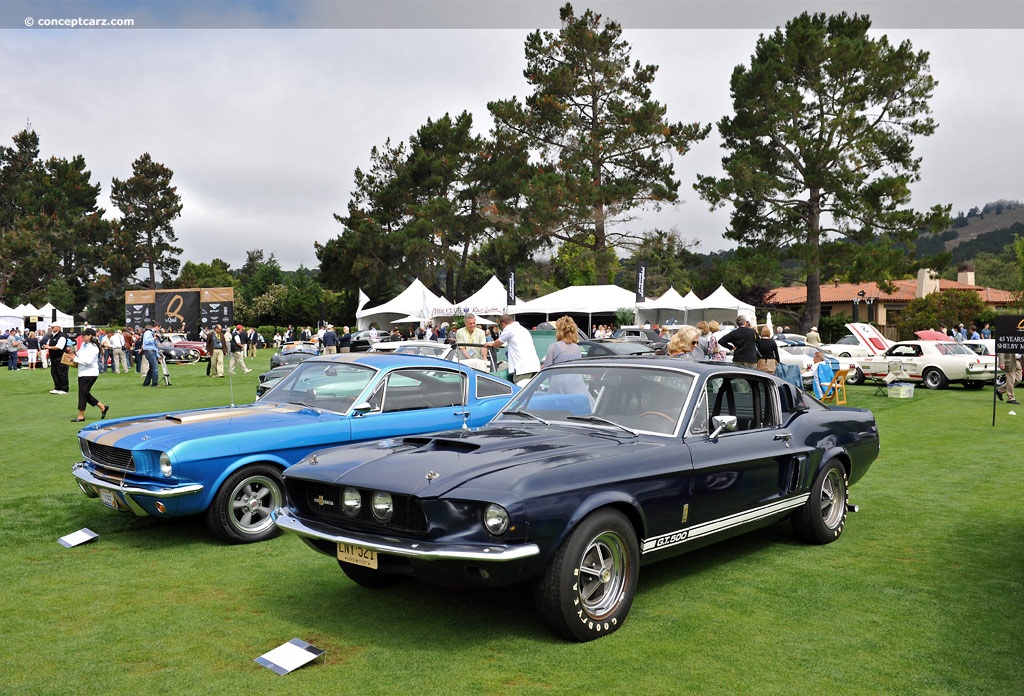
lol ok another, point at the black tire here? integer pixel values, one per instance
(855, 377)
(933, 378)
(240, 512)
(823, 516)
(845, 355)
(368, 577)
(588, 587)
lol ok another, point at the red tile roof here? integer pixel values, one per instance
(837, 293)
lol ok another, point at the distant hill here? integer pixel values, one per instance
(989, 228)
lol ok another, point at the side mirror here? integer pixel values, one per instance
(722, 423)
(362, 408)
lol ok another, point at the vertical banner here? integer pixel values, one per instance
(511, 299)
(641, 282)
(216, 306)
(139, 307)
(177, 310)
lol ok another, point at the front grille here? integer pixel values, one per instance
(109, 457)
(322, 502)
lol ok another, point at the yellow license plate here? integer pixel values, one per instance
(357, 555)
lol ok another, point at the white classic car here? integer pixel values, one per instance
(864, 340)
(934, 363)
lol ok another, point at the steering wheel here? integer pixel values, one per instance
(660, 415)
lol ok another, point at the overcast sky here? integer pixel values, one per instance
(263, 110)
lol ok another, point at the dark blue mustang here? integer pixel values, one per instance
(597, 467)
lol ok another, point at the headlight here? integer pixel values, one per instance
(165, 465)
(383, 507)
(496, 519)
(351, 502)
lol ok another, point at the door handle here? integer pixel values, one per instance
(786, 437)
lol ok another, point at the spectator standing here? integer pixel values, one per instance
(106, 350)
(251, 340)
(986, 332)
(767, 352)
(88, 359)
(345, 340)
(470, 333)
(237, 346)
(1011, 364)
(56, 343)
(14, 344)
(523, 362)
(150, 349)
(330, 340)
(117, 349)
(216, 347)
(813, 337)
(32, 348)
(743, 342)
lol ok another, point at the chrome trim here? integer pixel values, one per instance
(409, 548)
(86, 480)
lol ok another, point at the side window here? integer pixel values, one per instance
(414, 389)
(699, 422)
(485, 387)
(751, 400)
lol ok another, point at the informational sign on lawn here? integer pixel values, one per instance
(1009, 334)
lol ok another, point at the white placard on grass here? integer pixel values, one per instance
(289, 656)
(75, 538)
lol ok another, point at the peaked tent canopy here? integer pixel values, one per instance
(670, 308)
(491, 299)
(10, 319)
(723, 307)
(415, 301)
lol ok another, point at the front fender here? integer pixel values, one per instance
(619, 500)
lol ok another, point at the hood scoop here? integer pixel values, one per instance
(441, 444)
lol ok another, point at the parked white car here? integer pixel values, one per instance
(863, 341)
(935, 364)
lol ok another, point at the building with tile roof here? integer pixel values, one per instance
(867, 302)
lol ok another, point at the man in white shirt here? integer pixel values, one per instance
(523, 362)
(117, 343)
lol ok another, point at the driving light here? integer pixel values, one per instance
(496, 519)
(351, 502)
(165, 465)
(383, 507)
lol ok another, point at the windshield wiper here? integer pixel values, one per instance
(527, 414)
(599, 419)
(303, 403)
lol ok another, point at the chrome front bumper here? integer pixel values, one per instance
(408, 548)
(90, 485)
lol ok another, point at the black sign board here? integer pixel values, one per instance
(1009, 334)
(177, 310)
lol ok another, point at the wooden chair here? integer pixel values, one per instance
(836, 390)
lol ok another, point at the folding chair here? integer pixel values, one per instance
(836, 390)
(895, 373)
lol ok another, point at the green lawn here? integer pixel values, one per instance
(922, 594)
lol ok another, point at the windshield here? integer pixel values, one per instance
(637, 399)
(327, 386)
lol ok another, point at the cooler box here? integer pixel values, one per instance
(901, 390)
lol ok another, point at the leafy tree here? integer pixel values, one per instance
(670, 263)
(149, 204)
(821, 148)
(602, 142)
(216, 274)
(257, 275)
(947, 308)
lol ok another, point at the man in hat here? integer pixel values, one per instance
(56, 342)
(813, 338)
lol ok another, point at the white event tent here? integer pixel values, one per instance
(10, 319)
(579, 299)
(723, 307)
(490, 300)
(669, 309)
(415, 303)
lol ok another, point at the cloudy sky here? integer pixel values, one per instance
(263, 110)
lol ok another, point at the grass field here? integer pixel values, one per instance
(921, 595)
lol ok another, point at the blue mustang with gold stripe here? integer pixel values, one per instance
(597, 467)
(227, 462)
